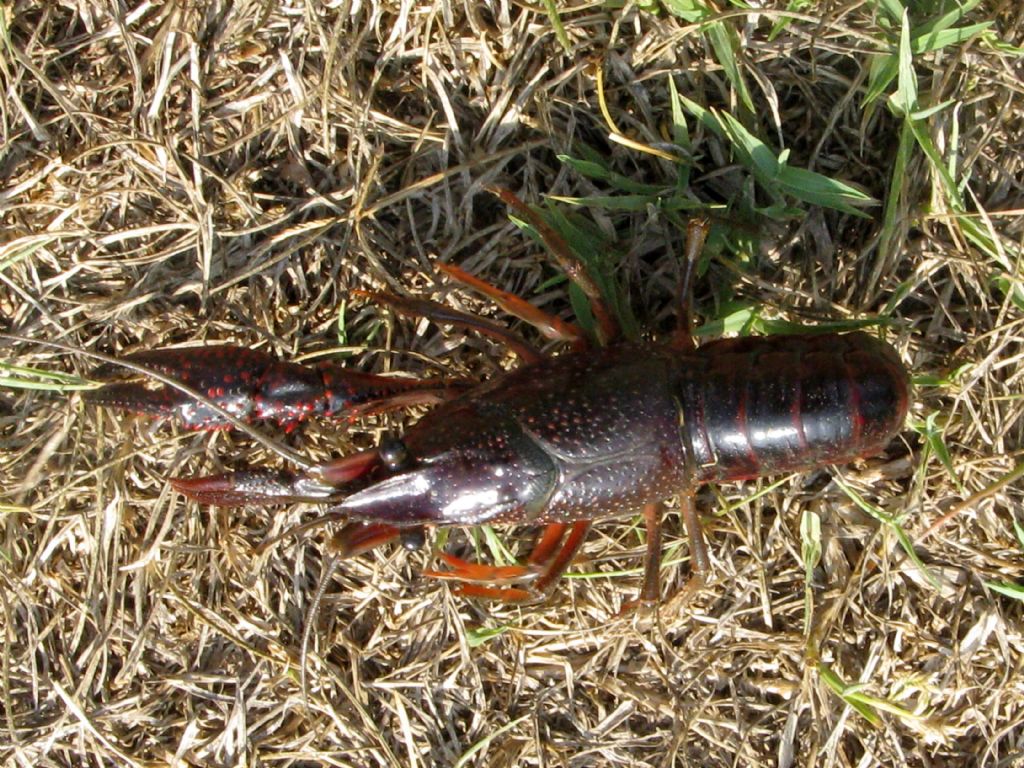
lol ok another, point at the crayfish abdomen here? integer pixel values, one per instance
(771, 404)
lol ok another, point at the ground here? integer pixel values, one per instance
(234, 171)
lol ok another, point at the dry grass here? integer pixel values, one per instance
(180, 172)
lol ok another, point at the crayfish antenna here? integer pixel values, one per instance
(314, 609)
(353, 539)
(309, 525)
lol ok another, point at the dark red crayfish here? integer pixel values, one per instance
(562, 440)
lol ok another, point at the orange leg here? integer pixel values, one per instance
(650, 592)
(546, 543)
(551, 326)
(700, 563)
(439, 313)
(545, 565)
(568, 261)
(696, 235)
(564, 557)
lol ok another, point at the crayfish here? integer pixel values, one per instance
(594, 432)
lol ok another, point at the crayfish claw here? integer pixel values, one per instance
(252, 385)
(134, 396)
(226, 375)
(253, 486)
(358, 537)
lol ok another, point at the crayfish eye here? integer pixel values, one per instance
(393, 453)
(413, 538)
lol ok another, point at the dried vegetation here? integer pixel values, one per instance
(232, 171)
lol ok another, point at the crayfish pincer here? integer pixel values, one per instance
(562, 440)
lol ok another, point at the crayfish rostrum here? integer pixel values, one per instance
(591, 433)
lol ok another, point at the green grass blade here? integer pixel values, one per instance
(934, 41)
(932, 432)
(1009, 589)
(810, 551)
(680, 132)
(894, 9)
(556, 24)
(595, 169)
(816, 189)
(42, 380)
(904, 101)
(846, 693)
(891, 235)
(893, 523)
(477, 637)
(726, 45)
(486, 740)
